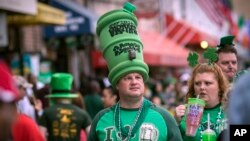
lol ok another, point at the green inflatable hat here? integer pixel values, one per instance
(120, 44)
(226, 40)
(61, 86)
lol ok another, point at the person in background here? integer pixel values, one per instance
(134, 117)
(169, 94)
(26, 104)
(92, 99)
(227, 57)
(157, 100)
(228, 61)
(182, 88)
(79, 102)
(42, 92)
(63, 120)
(158, 90)
(109, 97)
(8, 96)
(238, 112)
(147, 91)
(37, 85)
(14, 125)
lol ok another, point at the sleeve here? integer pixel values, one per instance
(173, 129)
(239, 104)
(182, 126)
(239, 101)
(174, 133)
(93, 134)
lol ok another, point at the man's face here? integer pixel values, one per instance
(131, 86)
(228, 63)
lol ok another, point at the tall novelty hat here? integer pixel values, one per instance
(120, 43)
(226, 40)
(61, 86)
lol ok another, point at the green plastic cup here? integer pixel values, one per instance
(194, 113)
(208, 135)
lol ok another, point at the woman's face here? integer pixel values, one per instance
(207, 87)
(108, 98)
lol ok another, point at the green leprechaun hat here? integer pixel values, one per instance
(61, 86)
(120, 43)
(226, 41)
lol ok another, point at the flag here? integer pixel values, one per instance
(243, 36)
(219, 11)
(225, 6)
(211, 9)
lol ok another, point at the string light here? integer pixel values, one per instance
(204, 44)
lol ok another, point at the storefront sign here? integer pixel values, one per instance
(45, 15)
(79, 20)
(73, 24)
(19, 6)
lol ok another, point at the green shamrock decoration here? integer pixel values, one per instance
(193, 59)
(211, 55)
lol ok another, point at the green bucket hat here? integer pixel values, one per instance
(61, 86)
(120, 44)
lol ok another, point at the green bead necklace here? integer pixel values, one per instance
(122, 134)
(220, 125)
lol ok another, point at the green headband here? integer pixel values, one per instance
(210, 54)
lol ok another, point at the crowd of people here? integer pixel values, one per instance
(133, 106)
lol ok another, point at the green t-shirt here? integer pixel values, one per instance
(158, 125)
(64, 122)
(216, 114)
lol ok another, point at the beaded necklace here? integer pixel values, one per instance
(122, 134)
(219, 125)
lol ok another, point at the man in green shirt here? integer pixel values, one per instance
(133, 117)
(63, 121)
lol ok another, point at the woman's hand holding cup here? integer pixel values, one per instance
(179, 112)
